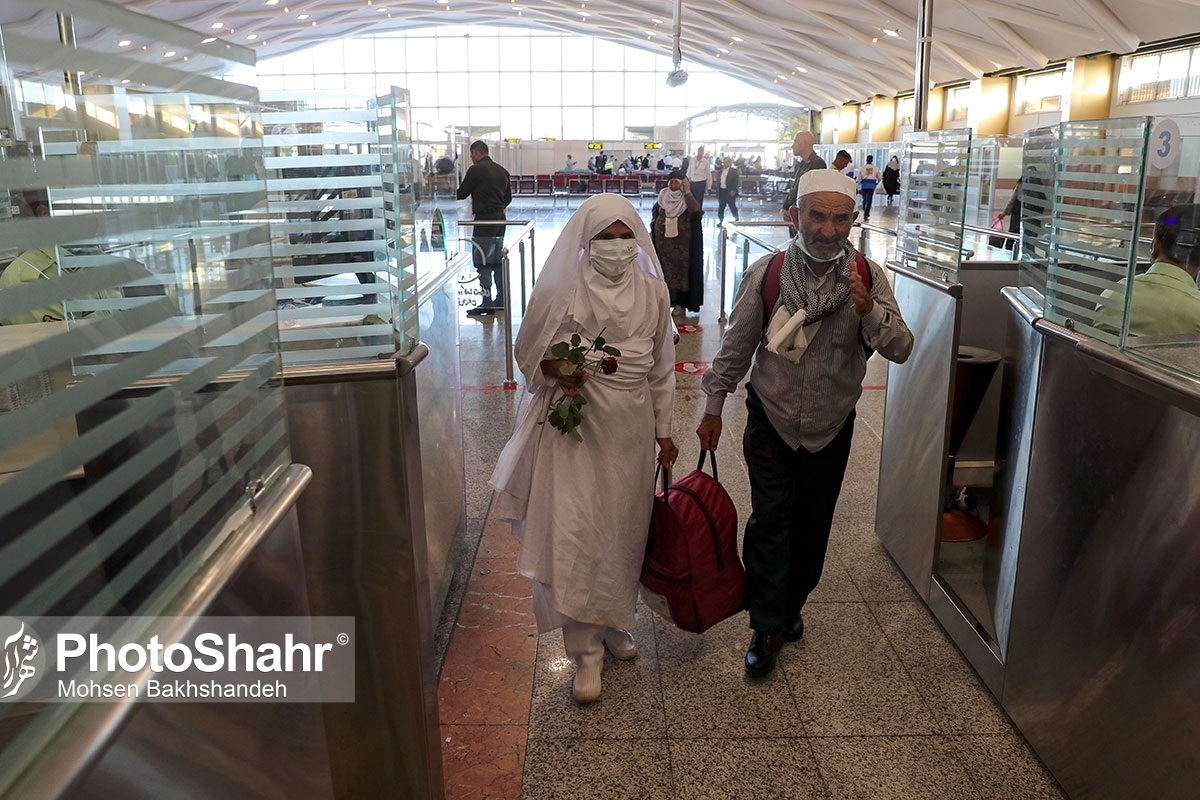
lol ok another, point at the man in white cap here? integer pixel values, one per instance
(806, 355)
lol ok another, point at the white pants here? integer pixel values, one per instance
(584, 642)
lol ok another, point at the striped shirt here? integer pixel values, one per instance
(807, 403)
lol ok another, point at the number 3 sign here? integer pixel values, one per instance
(1164, 144)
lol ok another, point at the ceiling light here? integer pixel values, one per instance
(722, 50)
(251, 36)
(800, 69)
(781, 77)
(874, 39)
(125, 80)
(124, 43)
(656, 20)
(737, 38)
(583, 14)
(890, 32)
(208, 40)
(305, 16)
(651, 33)
(168, 54)
(216, 25)
(272, 2)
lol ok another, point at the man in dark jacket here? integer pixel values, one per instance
(486, 183)
(727, 189)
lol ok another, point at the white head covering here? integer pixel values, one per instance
(602, 303)
(826, 180)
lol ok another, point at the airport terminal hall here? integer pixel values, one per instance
(599, 400)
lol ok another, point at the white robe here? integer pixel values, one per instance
(588, 510)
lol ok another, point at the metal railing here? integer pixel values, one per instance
(526, 232)
(729, 229)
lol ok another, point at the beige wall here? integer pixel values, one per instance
(1092, 82)
(990, 102)
(883, 118)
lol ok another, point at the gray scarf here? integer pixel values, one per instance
(793, 288)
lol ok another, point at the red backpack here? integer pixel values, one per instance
(770, 288)
(692, 574)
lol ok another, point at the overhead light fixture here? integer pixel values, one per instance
(800, 68)
(209, 40)
(656, 20)
(722, 50)
(250, 37)
(124, 43)
(168, 54)
(652, 33)
(781, 77)
(737, 38)
(890, 32)
(272, 2)
(305, 16)
(216, 25)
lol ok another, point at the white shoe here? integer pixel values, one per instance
(620, 643)
(587, 681)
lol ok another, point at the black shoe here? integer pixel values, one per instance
(760, 658)
(496, 306)
(793, 632)
(481, 310)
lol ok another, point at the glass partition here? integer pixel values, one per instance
(140, 403)
(1039, 156)
(1093, 232)
(399, 174)
(934, 169)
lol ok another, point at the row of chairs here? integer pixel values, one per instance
(567, 183)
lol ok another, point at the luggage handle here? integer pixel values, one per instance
(712, 523)
(712, 459)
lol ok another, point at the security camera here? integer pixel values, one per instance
(677, 77)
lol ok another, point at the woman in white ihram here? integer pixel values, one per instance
(583, 507)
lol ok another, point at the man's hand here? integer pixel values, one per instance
(709, 431)
(552, 369)
(860, 296)
(667, 452)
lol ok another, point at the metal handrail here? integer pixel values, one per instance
(527, 226)
(738, 229)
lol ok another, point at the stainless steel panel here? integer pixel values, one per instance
(439, 396)
(983, 322)
(965, 632)
(194, 751)
(1022, 364)
(916, 426)
(1101, 672)
(362, 528)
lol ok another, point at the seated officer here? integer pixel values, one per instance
(1165, 300)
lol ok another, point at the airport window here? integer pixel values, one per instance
(1040, 92)
(1169, 75)
(544, 83)
(905, 110)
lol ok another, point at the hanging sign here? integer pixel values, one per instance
(595, 145)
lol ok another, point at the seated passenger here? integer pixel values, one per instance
(1165, 300)
(37, 264)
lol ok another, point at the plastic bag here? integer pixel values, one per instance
(997, 225)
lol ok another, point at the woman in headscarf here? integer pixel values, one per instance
(671, 230)
(891, 178)
(583, 507)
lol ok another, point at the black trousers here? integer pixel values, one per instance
(726, 198)
(792, 495)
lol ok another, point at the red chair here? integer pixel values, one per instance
(545, 185)
(528, 184)
(560, 187)
(631, 187)
(514, 185)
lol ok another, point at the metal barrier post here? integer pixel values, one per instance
(532, 261)
(521, 248)
(722, 244)
(509, 381)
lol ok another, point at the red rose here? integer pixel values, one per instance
(608, 366)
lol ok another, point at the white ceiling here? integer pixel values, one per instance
(841, 43)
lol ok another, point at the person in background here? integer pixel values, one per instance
(806, 358)
(1165, 299)
(671, 232)
(891, 178)
(486, 183)
(582, 507)
(868, 180)
(727, 189)
(806, 159)
(699, 172)
(570, 164)
(843, 162)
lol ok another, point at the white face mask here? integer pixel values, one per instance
(612, 258)
(676, 192)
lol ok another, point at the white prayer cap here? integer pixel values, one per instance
(826, 180)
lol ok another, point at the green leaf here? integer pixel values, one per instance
(560, 350)
(576, 435)
(598, 343)
(566, 369)
(612, 351)
(575, 340)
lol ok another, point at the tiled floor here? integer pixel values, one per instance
(875, 702)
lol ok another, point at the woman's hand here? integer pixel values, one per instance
(687, 186)
(667, 452)
(552, 369)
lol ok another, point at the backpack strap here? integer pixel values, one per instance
(770, 287)
(770, 292)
